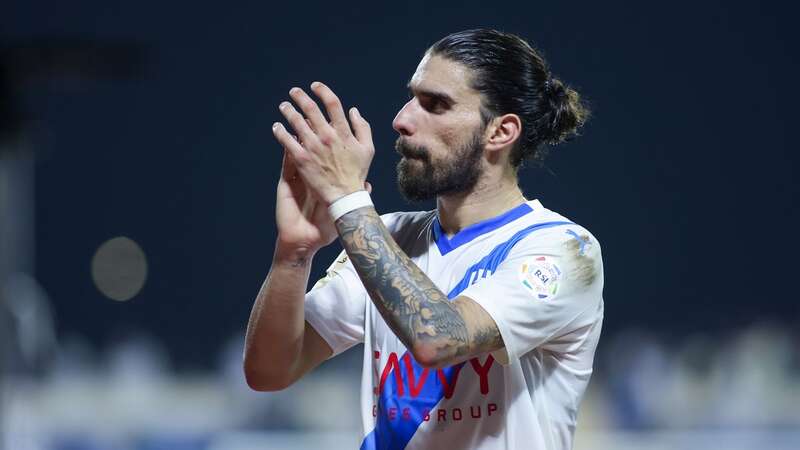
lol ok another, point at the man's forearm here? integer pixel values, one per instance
(274, 337)
(418, 312)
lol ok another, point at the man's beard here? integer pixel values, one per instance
(419, 179)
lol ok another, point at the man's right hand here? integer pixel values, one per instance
(303, 223)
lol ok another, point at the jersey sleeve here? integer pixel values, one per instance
(336, 306)
(548, 288)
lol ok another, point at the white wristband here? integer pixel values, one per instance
(349, 202)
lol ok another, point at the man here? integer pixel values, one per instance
(479, 319)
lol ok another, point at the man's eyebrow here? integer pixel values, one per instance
(441, 96)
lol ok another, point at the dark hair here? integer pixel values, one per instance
(512, 77)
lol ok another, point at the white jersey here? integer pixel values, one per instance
(537, 274)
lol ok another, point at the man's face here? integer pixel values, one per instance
(441, 133)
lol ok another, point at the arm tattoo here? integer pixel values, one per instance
(300, 261)
(413, 307)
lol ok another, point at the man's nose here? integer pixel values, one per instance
(403, 122)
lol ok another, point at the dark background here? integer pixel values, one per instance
(684, 173)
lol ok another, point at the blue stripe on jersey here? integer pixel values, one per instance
(490, 262)
(395, 434)
(473, 231)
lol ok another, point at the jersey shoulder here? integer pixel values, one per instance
(564, 245)
(558, 231)
(400, 219)
(405, 226)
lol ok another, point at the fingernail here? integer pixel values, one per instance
(283, 105)
(315, 84)
(294, 90)
(275, 126)
(355, 110)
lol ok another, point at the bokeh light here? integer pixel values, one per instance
(119, 268)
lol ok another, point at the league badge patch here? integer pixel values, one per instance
(540, 275)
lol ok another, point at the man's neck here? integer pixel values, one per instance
(485, 201)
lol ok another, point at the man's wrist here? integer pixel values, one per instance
(349, 202)
(293, 255)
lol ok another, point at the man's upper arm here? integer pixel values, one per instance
(315, 350)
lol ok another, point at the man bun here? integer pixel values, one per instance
(565, 112)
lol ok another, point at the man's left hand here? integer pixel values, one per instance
(332, 159)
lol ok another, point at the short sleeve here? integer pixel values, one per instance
(336, 306)
(549, 286)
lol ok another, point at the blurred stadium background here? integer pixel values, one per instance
(137, 176)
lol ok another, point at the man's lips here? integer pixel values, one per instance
(408, 151)
(412, 154)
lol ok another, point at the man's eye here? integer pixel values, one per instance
(431, 104)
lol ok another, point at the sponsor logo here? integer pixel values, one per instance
(410, 384)
(409, 387)
(472, 412)
(540, 275)
(583, 242)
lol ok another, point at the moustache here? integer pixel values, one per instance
(411, 151)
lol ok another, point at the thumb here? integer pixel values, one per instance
(361, 127)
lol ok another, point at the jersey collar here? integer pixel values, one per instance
(447, 245)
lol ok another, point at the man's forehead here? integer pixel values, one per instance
(438, 74)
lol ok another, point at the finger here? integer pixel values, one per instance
(368, 187)
(289, 143)
(361, 128)
(297, 122)
(333, 106)
(294, 136)
(309, 108)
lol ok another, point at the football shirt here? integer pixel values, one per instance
(537, 274)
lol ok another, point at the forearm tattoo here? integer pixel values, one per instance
(418, 312)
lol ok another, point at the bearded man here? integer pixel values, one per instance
(479, 319)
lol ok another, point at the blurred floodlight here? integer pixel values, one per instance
(119, 268)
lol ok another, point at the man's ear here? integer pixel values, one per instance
(503, 132)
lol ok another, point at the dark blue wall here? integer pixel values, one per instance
(685, 173)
